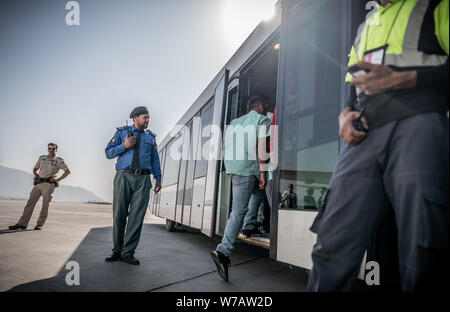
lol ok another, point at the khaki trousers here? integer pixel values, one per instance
(46, 191)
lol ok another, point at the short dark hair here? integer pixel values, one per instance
(291, 185)
(254, 101)
(53, 144)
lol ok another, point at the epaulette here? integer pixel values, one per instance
(43, 156)
(148, 131)
(123, 128)
(59, 158)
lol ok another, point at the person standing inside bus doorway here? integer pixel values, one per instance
(258, 222)
(244, 145)
(398, 155)
(137, 153)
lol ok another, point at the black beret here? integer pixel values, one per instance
(142, 110)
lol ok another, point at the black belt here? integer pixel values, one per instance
(40, 180)
(137, 171)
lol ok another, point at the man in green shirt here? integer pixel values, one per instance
(244, 147)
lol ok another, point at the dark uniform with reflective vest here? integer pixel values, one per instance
(132, 185)
(403, 160)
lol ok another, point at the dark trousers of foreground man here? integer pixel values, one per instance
(131, 197)
(404, 163)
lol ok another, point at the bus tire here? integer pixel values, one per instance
(170, 225)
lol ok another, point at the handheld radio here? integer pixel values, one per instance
(358, 124)
(129, 132)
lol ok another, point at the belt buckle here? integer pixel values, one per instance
(138, 172)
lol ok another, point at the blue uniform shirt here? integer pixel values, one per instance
(148, 152)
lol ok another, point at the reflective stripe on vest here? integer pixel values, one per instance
(406, 54)
(410, 55)
(404, 38)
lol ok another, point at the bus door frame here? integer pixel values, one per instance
(223, 213)
(214, 162)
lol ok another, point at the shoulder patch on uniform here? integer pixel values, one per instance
(113, 140)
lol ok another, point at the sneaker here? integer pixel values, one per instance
(222, 263)
(114, 257)
(130, 260)
(38, 228)
(17, 227)
(249, 233)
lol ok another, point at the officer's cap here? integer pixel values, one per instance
(142, 110)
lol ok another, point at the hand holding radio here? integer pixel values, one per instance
(129, 142)
(347, 130)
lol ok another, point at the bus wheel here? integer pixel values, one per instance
(170, 225)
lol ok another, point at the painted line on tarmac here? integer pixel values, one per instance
(207, 273)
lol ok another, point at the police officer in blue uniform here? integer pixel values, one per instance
(137, 153)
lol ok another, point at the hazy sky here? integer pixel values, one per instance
(74, 85)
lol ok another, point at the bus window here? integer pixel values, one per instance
(187, 201)
(171, 165)
(232, 105)
(186, 155)
(202, 164)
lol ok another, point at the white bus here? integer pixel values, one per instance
(298, 61)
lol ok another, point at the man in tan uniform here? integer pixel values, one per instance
(45, 183)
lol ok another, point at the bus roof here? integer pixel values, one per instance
(253, 42)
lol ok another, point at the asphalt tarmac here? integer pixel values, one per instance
(80, 235)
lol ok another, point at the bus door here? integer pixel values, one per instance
(224, 196)
(212, 179)
(309, 94)
(186, 151)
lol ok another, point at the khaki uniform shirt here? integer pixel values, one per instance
(49, 167)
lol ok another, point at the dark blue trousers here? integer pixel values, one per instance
(405, 164)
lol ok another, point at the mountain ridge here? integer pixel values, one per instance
(17, 184)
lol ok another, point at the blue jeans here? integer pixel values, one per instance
(247, 198)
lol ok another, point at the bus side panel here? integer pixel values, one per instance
(207, 217)
(186, 215)
(151, 206)
(224, 203)
(167, 202)
(295, 240)
(197, 203)
(178, 216)
(158, 204)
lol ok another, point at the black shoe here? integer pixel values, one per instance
(130, 260)
(17, 227)
(114, 257)
(38, 228)
(222, 263)
(249, 233)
